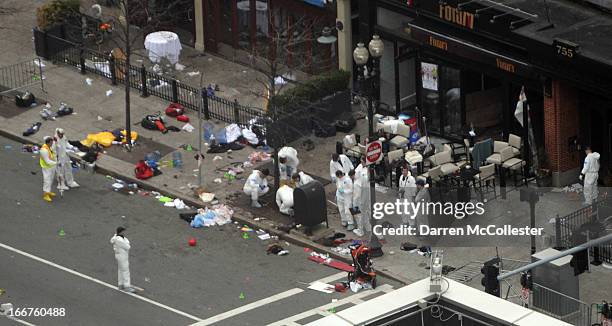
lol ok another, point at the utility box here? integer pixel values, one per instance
(555, 285)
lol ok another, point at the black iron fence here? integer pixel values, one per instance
(570, 229)
(59, 50)
(20, 75)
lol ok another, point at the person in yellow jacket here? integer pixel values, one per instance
(48, 163)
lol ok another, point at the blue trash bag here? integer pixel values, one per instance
(153, 156)
(220, 136)
(208, 130)
(152, 164)
(206, 219)
(177, 159)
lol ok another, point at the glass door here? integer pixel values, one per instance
(405, 80)
(441, 99)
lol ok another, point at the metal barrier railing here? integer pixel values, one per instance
(560, 306)
(547, 301)
(21, 75)
(150, 83)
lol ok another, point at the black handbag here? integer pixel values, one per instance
(25, 100)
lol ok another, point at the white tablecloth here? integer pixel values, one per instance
(163, 44)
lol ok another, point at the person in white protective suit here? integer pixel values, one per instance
(590, 174)
(339, 163)
(301, 178)
(287, 164)
(256, 185)
(422, 196)
(284, 200)
(64, 167)
(48, 163)
(407, 191)
(361, 198)
(344, 199)
(121, 246)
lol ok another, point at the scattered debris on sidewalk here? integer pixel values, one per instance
(88, 81)
(327, 261)
(259, 157)
(322, 287)
(30, 148)
(32, 130)
(276, 249)
(575, 188)
(109, 92)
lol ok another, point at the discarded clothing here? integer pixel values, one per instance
(222, 148)
(232, 133)
(259, 157)
(33, 129)
(275, 249)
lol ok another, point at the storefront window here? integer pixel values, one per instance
(442, 99)
(430, 96)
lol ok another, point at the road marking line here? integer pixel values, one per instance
(323, 310)
(248, 307)
(22, 322)
(73, 272)
(331, 278)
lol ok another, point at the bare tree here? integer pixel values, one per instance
(279, 55)
(282, 52)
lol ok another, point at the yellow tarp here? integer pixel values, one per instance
(105, 138)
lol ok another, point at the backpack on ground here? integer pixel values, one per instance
(142, 170)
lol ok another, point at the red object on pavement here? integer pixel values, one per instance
(332, 263)
(174, 110)
(182, 118)
(192, 242)
(142, 171)
(160, 126)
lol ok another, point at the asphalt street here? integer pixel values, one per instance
(182, 285)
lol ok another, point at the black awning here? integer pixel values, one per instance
(465, 49)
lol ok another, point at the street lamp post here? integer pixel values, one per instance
(368, 76)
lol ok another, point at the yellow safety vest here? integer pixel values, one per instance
(44, 164)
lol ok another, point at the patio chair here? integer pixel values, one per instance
(485, 179)
(351, 148)
(434, 174)
(515, 142)
(498, 147)
(401, 140)
(515, 166)
(444, 160)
